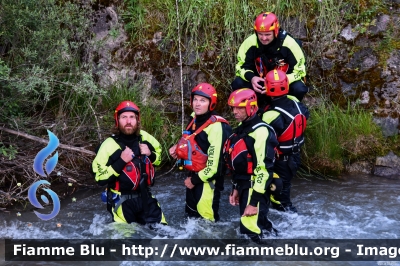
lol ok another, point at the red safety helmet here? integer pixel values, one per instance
(126, 106)
(276, 83)
(244, 98)
(205, 90)
(267, 21)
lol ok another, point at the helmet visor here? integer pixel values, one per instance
(201, 93)
(128, 109)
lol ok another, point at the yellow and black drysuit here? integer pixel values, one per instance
(284, 47)
(203, 199)
(129, 181)
(288, 117)
(250, 153)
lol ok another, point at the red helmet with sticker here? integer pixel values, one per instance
(244, 98)
(126, 106)
(267, 21)
(276, 83)
(205, 90)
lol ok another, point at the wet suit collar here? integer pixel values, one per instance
(199, 120)
(246, 125)
(279, 99)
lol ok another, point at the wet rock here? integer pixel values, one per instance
(364, 99)
(387, 172)
(386, 74)
(200, 77)
(380, 26)
(361, 167)
(376, 93)
(363, 60)
(363, 41)
(349, 34)
(157, 37)
(326, 64)
(390, 90)
(388, 125)
(190, 58)
(388, 166)
(347, 89)
(315, 71)
(105, 20)
(393, 63)
(369, 62)
(108, 45)
(295, 27)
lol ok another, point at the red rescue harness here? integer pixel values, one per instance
(236, 153)
(263, 70)
(129, 179)
(293, 136)
(189, 152)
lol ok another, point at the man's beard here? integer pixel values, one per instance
(128, 131)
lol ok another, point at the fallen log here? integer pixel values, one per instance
(63, 146)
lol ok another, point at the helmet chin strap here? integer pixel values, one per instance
(251, 116)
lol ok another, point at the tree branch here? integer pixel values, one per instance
(63, 146)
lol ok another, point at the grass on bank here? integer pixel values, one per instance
(336, 137)
(212, 31)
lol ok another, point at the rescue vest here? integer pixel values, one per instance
(236, 153)
(292, 137)
(140, 167)
(189, 153)
(263, 70)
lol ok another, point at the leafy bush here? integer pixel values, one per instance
(44, 59)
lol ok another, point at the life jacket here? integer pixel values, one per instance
(189, 152)
(140, 167)
(292, 137)
(263, 70)
(236, 153)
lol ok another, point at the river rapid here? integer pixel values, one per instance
(353, 207)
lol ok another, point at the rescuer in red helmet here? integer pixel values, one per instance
(200, 151)
(270, 47)
(124, 163)
(288, 117)
(250, 154)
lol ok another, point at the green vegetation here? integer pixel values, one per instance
(336, 137)
(213, 30)
(7, 152)
(44, 68)
(46, 82)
